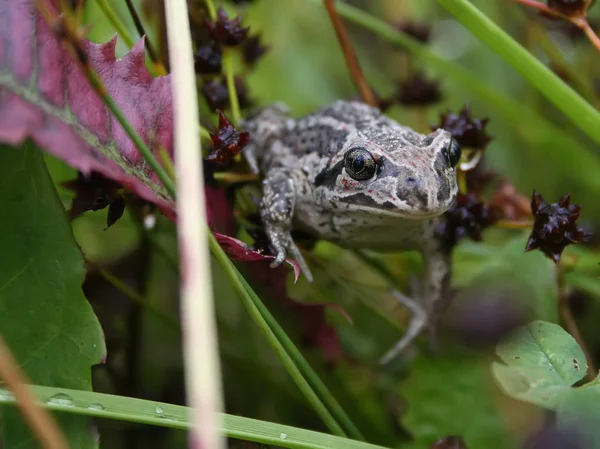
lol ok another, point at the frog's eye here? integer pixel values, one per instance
(452, 153)
(359, 163)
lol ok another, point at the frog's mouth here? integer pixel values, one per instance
(360, 202)
(404, 214)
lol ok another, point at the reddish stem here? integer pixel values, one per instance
(515, 224)
(591, 35)
(350, 55)
(579, 21)
(540, 6)
(564, 310)
(42, 423)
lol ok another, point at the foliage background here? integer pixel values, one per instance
(420, 396)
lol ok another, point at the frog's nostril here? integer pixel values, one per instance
(412, 182)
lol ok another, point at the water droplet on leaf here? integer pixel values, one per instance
(6, 395)
(60, 399)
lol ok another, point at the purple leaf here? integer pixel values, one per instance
(45, 96)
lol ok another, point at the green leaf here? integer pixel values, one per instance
(178, 417)
(542, 362)
(451, 395)
(579, 414)
(44, 317)
(486, 266)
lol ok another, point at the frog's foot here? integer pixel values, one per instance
(276, 212)
(415, 327)
(296, 254)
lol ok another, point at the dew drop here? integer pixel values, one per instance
(149, 222)
(169, 418)
(60, 399)
(6, 395)
(283, 436)
(96, 406)
(159, 410)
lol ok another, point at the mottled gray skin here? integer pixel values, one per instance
(306, 186)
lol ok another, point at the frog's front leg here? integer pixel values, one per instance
(277, 212)
(430, 299)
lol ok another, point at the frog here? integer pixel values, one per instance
(351, 175)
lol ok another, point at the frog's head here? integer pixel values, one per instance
(415, 180)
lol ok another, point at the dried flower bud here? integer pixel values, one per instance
(208, 59)
(95, 192)
(420, 31)
(228, 141)
(217, 94)
(468, 131)
(418, 90)
(571, 8)
(467, 217)
(555, 226)
(225, 31)
(253, 50)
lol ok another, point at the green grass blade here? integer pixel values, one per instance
(249, 299)
(310, 375)
(579, 111)
(178, 417)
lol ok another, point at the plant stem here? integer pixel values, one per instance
(167, 162)
(200, 343)
(42, 424)
(233, 177)
(540, 6)
(212, 11)
(115, 21)
(249, 302)
(350, 55)
(591, 35)
(579, 21)
(160, 68)
(564, 309)
(583, 84)
(310, 375)
(377, 265)
(514, 224)
(579, 111)
(461, 178)
(134, 296)
(204, 133)
(133, 135)
(230, 78)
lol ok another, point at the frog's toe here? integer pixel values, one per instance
(296, 254)
(278, 259)
(415, 327)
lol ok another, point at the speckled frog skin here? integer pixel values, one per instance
(351, 175)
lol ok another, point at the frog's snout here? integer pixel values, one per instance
(414, 192)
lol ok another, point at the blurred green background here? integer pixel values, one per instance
(422, 397)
